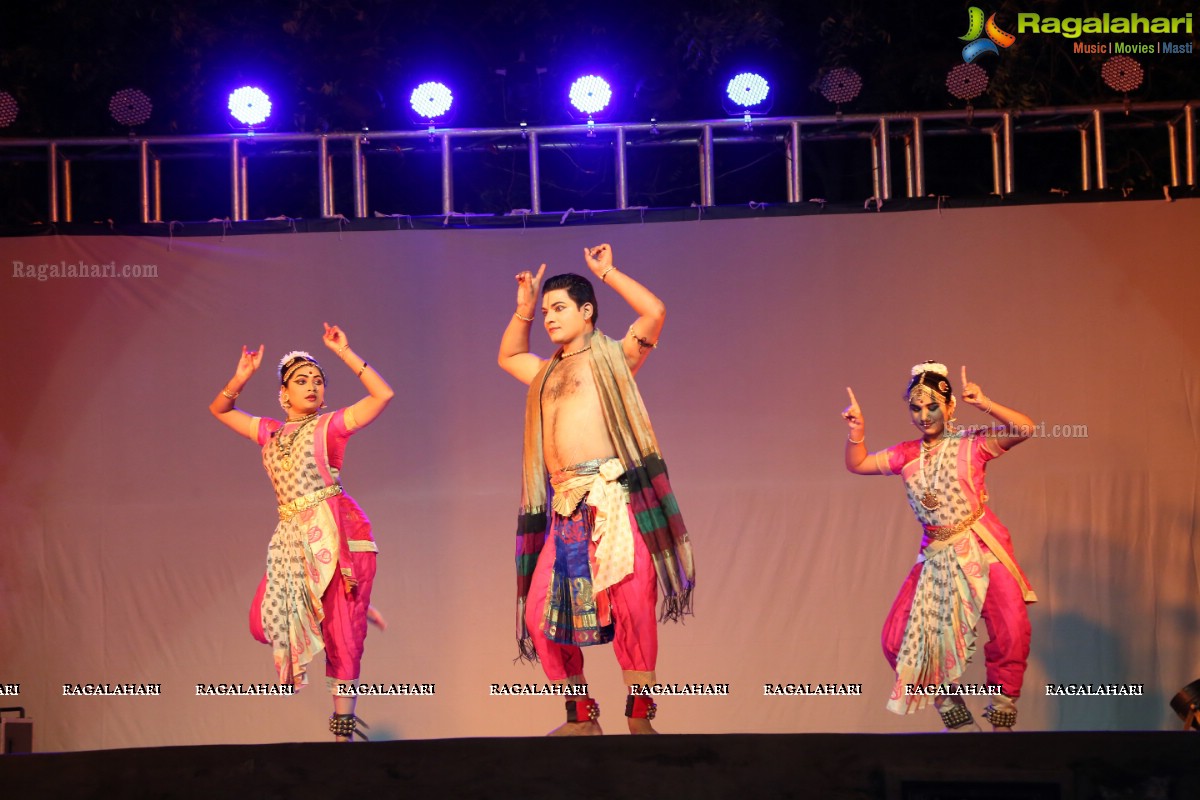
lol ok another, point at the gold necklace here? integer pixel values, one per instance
(577, 352)
(285, 461)
(929, 499)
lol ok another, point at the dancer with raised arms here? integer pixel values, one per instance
(966, 567)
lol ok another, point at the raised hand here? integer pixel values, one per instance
(527, 290)
(249, 363)
(599, 258)
(334, 338)
(853, 416)
(971, 393)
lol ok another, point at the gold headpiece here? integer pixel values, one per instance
(302, 359)
(918, 375)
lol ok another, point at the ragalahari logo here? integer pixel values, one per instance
(976, 28)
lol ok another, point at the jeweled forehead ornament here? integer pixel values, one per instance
(921, 390)
(293, 361)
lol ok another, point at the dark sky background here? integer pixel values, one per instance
(344, 64)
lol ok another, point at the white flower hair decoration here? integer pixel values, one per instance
(931, 366)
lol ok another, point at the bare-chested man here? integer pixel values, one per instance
(615, 534)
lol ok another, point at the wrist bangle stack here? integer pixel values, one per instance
(853, 441)
(604, 275)
(227, 393)
(517, 314)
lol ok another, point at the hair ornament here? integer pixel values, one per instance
(930, 366)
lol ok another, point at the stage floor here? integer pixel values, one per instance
(1045, 766)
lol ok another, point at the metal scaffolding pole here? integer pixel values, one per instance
(52, 180)
(1098, 130)
(918, 138)
(535, 178)
(68, 205)
(795, 187)
(156, 172)
(235, 179)
(447, 176)
(323, 177)
(707, 182)
(1173, 147)
(358, 168)
(1010, 184)
(885, 161)
(144, 180)
(622, 180)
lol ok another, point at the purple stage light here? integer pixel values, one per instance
(130, 107)
(841, 85)
(967, 81)
(590, 94)
(1122, 73)
(8, 109)
(249, 105)
(431, 100)
(747, 90)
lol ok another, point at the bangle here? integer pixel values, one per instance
(364, 369)
(517, 314)
(232, 396)
(852, 441)
(343, 349)
(987, 410)
(604, 275)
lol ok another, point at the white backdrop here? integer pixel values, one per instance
(134, 526)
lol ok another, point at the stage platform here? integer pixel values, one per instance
(1017, 766)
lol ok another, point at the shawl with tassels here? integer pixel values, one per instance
(656, 514)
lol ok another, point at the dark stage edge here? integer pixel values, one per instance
(558, 219)
(914, 767)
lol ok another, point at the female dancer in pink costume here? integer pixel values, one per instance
(321, 560)
(966, 567)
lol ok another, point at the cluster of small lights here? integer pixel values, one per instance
(8, 109)
(590, 94)
(747, 89)
(431, 100)
(967, 81)
(249, 105)
(841, 85)
(1122, 73)
(130, 107)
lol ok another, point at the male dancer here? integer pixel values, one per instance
(615, 532)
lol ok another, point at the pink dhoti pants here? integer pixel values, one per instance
(344, 628)
(1007, 652)
(632, 603)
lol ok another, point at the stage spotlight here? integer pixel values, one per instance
(8, 109)
(590, 96)
(1122, 73)
(1186, 703)
(250, 106)
(431, 102)
(746, 94)
(841, 85)
(967, 81)
(130, 107)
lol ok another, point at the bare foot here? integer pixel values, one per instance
(1001, 729)
(639, 726)
(585, 728)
